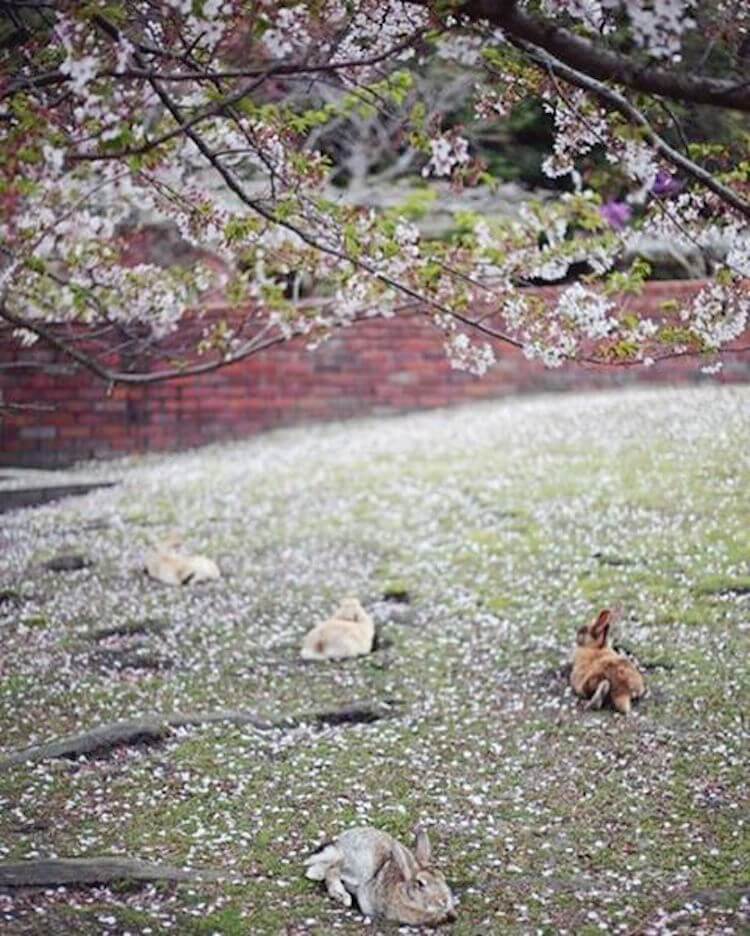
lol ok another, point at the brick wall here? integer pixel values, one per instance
(372, 368)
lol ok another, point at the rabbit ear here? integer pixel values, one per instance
(401, 858)
(601, 626)
(422, 847)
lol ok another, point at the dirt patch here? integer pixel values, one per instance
(127, 659)
(10, 597)
(71, 562)
(130, 629)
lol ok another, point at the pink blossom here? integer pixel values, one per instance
(616, 213)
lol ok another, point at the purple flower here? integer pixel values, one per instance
(666, 184)
(616, 213)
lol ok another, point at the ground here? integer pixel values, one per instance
(481, 538)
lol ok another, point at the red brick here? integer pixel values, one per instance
(377, 366)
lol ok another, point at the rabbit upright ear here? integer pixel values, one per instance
(601, 626)
(422, 847)
(401, 857)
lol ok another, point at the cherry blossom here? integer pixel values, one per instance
(208, 130)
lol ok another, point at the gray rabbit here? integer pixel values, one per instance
(385, 877)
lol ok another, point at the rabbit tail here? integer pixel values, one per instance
(627, 683)
(314, 649)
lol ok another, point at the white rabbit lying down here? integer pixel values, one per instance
(349, 632)
(167, 564)
(385, 877)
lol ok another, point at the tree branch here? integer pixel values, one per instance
(598, 62)
(621, 104)
(235, 186)
(179, 130)
(280, 69)
(109, 375)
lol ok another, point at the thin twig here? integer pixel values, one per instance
(623, 106)
(280, 69)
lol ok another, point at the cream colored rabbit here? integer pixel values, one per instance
(599, 672)
(386, 879)
(349, 632)
(167, 564)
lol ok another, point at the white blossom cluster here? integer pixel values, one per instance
(718, 314)
(588, 311)
(490, 104)
(204, 25)
(579, 126)
(468, 355)
(290, 29)
(492, 101)
(80, 67)
(738, 257)
(657, 26)
(447, 151)
(637, 160)
(461, 48)
(371, 28)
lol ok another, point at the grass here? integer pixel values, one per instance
(480, 538)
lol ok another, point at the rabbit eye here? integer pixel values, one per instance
(420, 883)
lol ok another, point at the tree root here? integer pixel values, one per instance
(98, 740)
(48, 872)
(154, 728)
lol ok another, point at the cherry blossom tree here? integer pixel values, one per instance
(202, 118)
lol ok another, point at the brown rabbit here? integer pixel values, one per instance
(600, 672)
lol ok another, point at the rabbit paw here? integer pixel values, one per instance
(597, 699)
(343, 896)
(337, 890)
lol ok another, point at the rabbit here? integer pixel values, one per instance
(168, 565)
(349, 632)
(386, 879)
(600, 672)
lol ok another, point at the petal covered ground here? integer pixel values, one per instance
(480, 538)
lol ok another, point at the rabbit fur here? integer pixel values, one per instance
(386, 879)
(349, 632)
(599, 672)
(167, 564)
